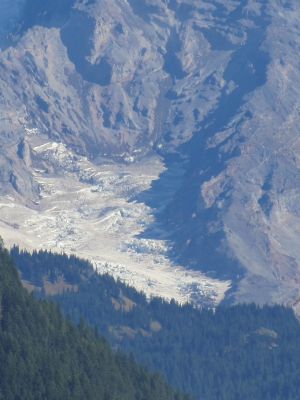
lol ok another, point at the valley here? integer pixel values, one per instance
(93, 212)
(157, 136)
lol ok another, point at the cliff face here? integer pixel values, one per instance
(243, 174)
(211, 88)
(115, 80)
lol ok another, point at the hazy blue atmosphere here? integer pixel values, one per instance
(159, 141)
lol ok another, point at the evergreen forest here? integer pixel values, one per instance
(231, 353)
(43, 356)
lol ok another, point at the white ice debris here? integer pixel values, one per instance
(31, 131)
(102, 222)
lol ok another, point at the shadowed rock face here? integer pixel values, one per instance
(211, 86)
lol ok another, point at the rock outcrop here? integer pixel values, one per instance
(211, 87)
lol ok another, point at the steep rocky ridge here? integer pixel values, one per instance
(209, 88)
(244, 169)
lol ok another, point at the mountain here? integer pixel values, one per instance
(157, 138)
(241, 352)
(43, 356)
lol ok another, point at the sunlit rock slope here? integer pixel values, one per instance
(204, 95)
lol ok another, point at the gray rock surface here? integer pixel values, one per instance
(210, 86)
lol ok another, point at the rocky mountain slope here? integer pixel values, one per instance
(202, 96)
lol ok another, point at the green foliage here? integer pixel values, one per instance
(244, 352)
(43, 356)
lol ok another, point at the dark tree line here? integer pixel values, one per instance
(243, 352)
(43, 356)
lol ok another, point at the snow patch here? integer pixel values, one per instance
(91, 212)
